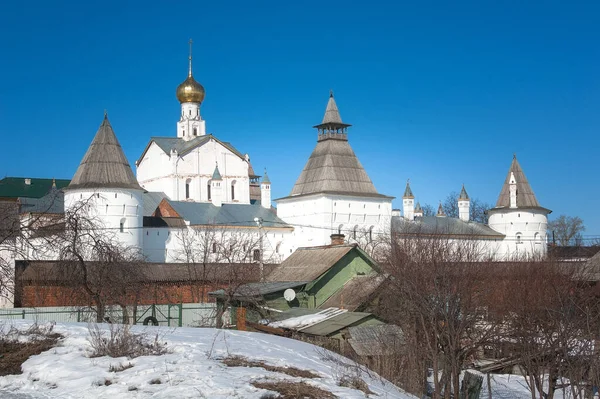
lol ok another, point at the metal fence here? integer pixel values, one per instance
(174, 315)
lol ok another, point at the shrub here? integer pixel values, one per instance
(120, 341)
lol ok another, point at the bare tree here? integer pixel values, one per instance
(437, 294)
(567, 229)
(477, 210)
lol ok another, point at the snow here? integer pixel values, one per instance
(191, 369)
(299, 322)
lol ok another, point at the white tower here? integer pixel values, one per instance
(464, 205)
(418, 210)
(216, 188)
(265, 191)
(519, 216)
(408, 203)
(190, 94)
(105, 188)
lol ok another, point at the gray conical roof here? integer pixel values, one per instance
(418, 207)
(332, 118)
(525, 196)
(440, 211)
(408, 192)
(216, 174)
(104, 164)
(463, 194)
(333, 167)
(265, 178)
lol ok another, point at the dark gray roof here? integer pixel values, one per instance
(184, 146)
(336, 323)
(355, 292)
(376, 340)
(216, 174)
(408, 192)
(306, 264)
(53, 202)
(333, 167)
(104, 164)
(151, 201)
(259, 289)
(433, 225)
(463, 194)
(265, 178)
(205, 213)
(525, 196)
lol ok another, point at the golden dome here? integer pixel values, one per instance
(190, 91)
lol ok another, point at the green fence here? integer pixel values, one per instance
(174, 315)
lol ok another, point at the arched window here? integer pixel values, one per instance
(187, 188)
(195, 131)
(208, 196)
(214, 247)
(122, 225)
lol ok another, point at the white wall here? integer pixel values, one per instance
(525, 230)
(158, 171)
(316, 217)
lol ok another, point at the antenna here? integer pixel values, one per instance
(289, 294)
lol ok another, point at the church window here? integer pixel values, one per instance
(214, 247)
(187, 188)
(256, 255)
(190, 112)
(208, 191)
(195, 131)
(233, 190)
(123, 209)
(122, 225)
(115, 195)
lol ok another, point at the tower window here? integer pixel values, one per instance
(256, 255)
(187, 189)
(214, 247)
(208, 191)
(190, 112)
(195, 132)
(122, 225)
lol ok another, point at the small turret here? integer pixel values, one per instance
(216, 188)
(440, 212)
(464, 205)
(418, 210)
(408, 203)
(265, 191)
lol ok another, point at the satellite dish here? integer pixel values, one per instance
(289, 294)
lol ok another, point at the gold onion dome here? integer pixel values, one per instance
(190, 91)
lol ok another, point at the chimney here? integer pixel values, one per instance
(28, 182)
(337, 239)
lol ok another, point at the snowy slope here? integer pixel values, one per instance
(192, 370)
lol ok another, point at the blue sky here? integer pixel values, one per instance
(441, 92)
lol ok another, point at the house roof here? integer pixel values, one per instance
(355, 292)
(335, 323)
(252, 290)
(333, 167)
(52, 202)
(306, 264)
(151, 200)
(376, 340)
(184, 146)
(434, 225)
(53, 271)
(104, 164)
(17, 187)
(525, 196)
(243, 215)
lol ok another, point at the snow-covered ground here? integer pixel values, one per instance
(192, 370)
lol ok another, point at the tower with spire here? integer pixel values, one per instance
(190, 94)
(464, 205)
(519, 216)
(334, 193)
(265, 191)
(105, 183)
(408, 203)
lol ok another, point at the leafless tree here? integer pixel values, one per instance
(567, 230)
(477, 210)
(436, 294)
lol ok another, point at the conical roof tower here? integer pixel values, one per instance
(104, 165)
(333, 167)
(525, 196)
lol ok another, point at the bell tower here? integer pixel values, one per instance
(190, 94)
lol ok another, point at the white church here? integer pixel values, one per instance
(192, 182)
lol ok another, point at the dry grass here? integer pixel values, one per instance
(294, 390)
(239, 361)
(16, 346)
(355, 383)
(119, 367)
(120, 341)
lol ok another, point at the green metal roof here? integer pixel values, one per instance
(336, 323)
(15, 187)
